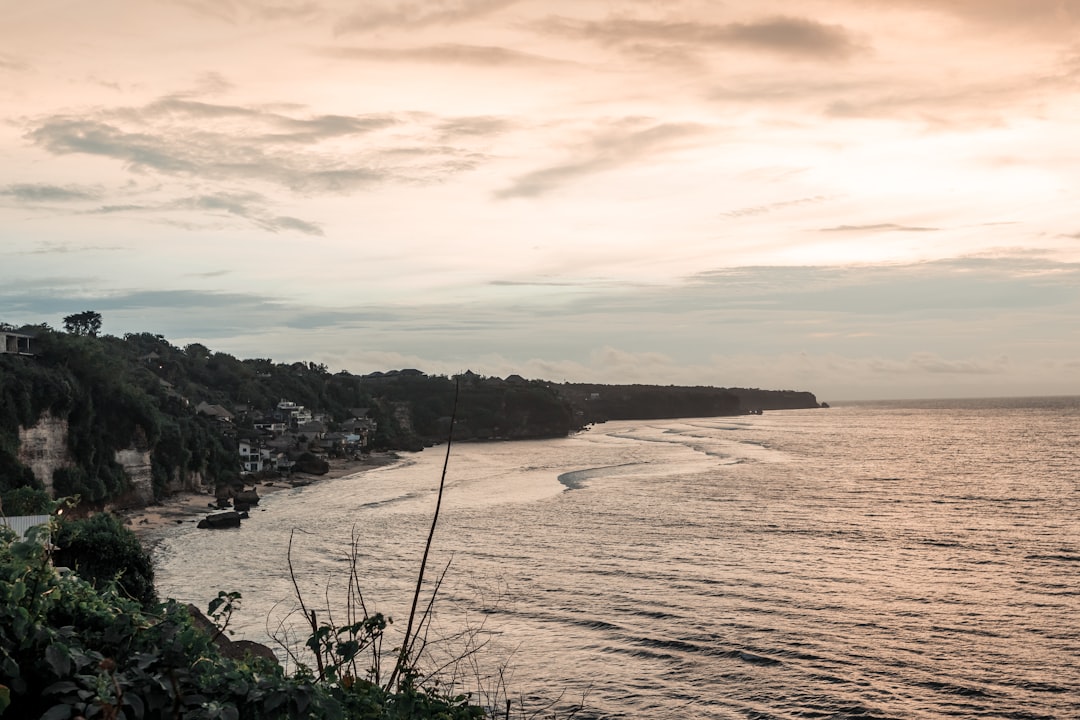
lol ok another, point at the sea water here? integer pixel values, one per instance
(879, 560)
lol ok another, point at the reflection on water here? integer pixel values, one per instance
(885, 561)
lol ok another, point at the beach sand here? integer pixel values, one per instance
(192, 506)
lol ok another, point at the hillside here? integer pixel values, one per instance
(129, 420)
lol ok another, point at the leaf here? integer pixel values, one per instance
(5, 698)
(59, 659)
(57, 712)
(9, 667)
(136, 704)
(60, 687)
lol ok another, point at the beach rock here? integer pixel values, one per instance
(246, 497)
(226, 519)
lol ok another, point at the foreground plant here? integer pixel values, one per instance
(69, 650)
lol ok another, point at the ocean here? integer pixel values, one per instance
(872, 560)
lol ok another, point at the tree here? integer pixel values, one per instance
(87, 322)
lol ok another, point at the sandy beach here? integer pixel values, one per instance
(192, 506)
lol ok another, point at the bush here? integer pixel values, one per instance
(26, 501)
(68, 649)
(101, 550)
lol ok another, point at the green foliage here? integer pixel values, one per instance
(26, 501)
(102, 551)
(113, 398)
(70, 650)
(139, 391)
(87, 322)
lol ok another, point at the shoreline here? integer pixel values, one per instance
(192, 506)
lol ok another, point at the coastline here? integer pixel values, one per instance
(193, 506)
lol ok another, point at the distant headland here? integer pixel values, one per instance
(127, 421)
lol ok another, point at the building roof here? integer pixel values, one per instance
(21, 524)
(213, 411)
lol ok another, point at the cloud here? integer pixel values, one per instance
(620, 145)
(792, 36)
(1008, 13)
(957, 287)
(273, 127)
(757, 210)
(531, 283)
(212, 83)
(881, 227)
(38, 192)
(239, 11)
(285, 11)
(956, 103)
(290, 223)
(414, 13)
(12, 63)
(480, 125)
(175, 136)
(478, 55)
(249, 206)
(60, 248)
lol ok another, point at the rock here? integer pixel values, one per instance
(246, 497)
(226, 519)
(238, 649)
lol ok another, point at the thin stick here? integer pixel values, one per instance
(308, 615)
(406, 643)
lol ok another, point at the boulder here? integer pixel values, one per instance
(226, 519)
(246, 499)
(234, 649)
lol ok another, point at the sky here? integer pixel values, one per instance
(859, 198)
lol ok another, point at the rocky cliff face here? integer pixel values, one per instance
(44, 448)
(136, 464)
(185, 482)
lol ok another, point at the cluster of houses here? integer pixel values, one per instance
(272, 440)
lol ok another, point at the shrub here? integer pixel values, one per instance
(26, 501)
(68, 649)
(101, 550)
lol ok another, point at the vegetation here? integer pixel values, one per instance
(80, 646)
(141, 392)
(87, 322)
(103, 552)
(70, 650)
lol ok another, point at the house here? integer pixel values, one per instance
(214, 411)
(313, 429)
(362, 427)
(251, 456)
(15, 343)
(271, 426)
(291, 413)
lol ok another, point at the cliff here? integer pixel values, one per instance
(43, 447)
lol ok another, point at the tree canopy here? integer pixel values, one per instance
(87, 322)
